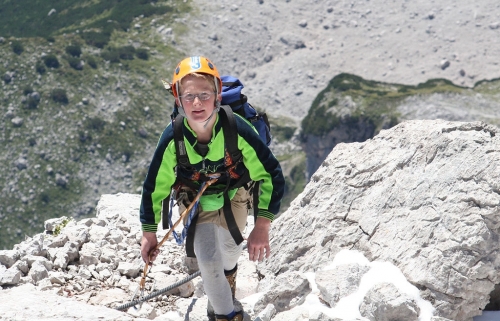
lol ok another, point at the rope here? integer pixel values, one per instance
(159, 292)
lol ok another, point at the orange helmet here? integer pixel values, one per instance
(191, 65)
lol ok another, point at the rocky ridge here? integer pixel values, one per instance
(403, 224)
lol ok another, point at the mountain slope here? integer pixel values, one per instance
(78, 121)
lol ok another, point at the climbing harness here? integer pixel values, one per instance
(147, 266)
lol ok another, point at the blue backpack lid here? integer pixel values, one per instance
(231, 91)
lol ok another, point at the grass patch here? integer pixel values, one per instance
(96, 19)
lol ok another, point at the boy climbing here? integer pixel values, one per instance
(208, 132)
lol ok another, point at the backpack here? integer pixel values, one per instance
(232, 96)
(233, 101)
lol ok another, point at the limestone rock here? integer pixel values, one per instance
(10, 276)
(38, 271)
(17, 121)
(8, 257)
(339, 282)
(385, 303)
(422, 195)
(286, 291)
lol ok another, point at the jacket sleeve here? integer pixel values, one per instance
(262, 166)
(159, 181)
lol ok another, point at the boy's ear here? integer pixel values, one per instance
(219, 98)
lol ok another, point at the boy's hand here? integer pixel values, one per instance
(148, 244)
(258, 240)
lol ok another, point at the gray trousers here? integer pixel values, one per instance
(216, 250)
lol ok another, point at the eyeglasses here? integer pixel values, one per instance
(202, 96)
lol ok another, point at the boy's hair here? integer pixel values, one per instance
(209, 78)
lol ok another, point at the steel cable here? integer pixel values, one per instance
(159, 292)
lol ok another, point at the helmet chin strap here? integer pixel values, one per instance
(216, 110)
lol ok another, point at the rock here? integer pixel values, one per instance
(266, 314)
(57, 278)
(427, 184)
(32, 246)
(38, 271)
(108, 297)
(129, 269)
(292, 41)
(445, 64)
(30, 303)
(10, 114)
(52, 223)
(90, 254)
(385, 303)
(339, 282)
(31, 259)
(57, 241)
(7, 77)
(21, 163)
(17, 121)
(143, 132)
(98, 233)
(69, 253)
(8, 257)
(35, 95)
(61, 180)
(10, 276)
(22, 266)
(287, 291)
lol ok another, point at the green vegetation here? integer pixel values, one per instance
(60, 227)
(40, 68)
(350, 99)
(17, 47)
(282, 133)
(75, 63)
(74, 50)
(92, 62)
(59, 96)
(79, 134)
(51, 61)
(27, 90)
(142, 53)
(94, 20)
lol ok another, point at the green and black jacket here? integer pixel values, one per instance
(257, 159)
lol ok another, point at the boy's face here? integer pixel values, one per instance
(193, 91)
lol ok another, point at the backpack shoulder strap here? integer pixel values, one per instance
(230, 132)
(180, 147)
(231, 139)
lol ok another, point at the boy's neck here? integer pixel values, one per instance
(203, 130)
